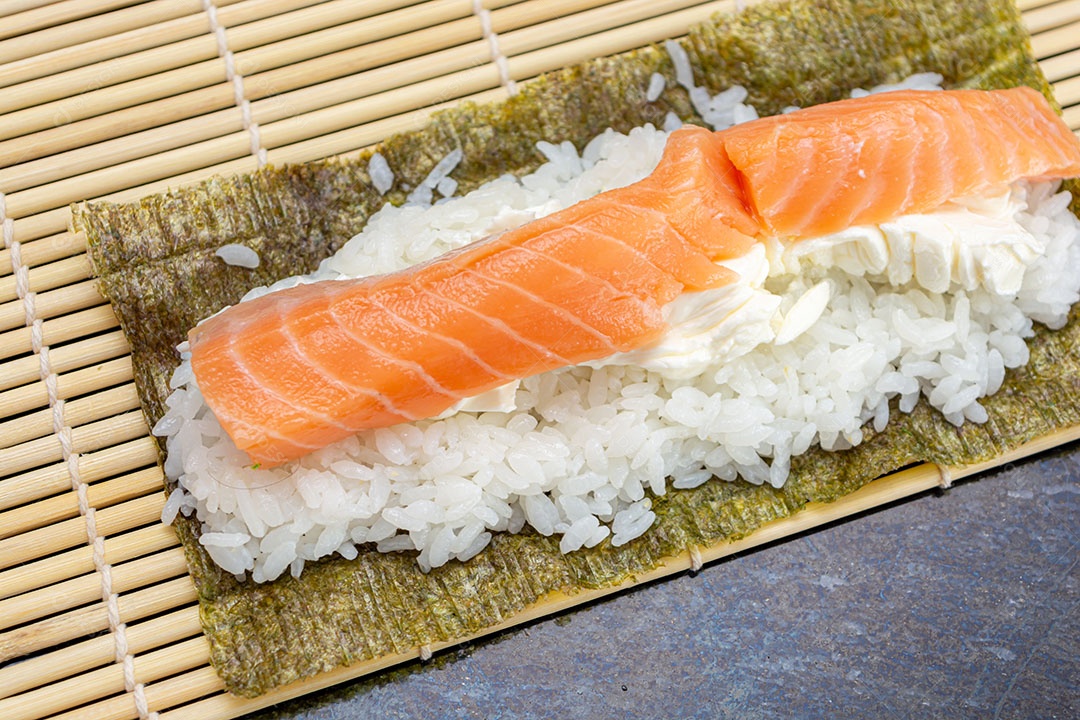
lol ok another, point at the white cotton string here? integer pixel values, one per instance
(22, 286)
(237, 81)
(9, 227)
(492, 37)
(946, 477)
(695, 558)
(22, 275)
(71, 460)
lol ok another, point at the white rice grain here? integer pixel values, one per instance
(382, 177)
(657, 83)
(238, 255)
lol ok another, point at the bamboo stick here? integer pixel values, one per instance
(61, 507)
(70, 95)
(72, 660)
(55, 14)
(298, 74)
(81, 411)
(97, 155)
(78, 591)
(166, 693)
(608, 18)
(416, 93)
(67, 271)
(205, 80)
(1026, 5)
(51, 632)
(393, 102)
(527, 14)
(69, 533)
(64, 359)
(1063, 66)
(93, 436)
(45, 482)
(118, 458)
(1054, 42)
(1045, 18)
(286, 132)
(162, 136)
(365, 70)
(12, 314)
(59, 330)
(59, 114)
(353, 139)
(75, 624)
(1068, 91)
(125, 43)
(1071, 116)
(26, 398)
(45, 250)
(134, 172)
(95, 27)
(43, 225)
(52, 303)
(56, 568)
(330, 17)
(10, 7)
(106, 681)
(175, 60)
(53, 223)
(394, 27)
(609, 42)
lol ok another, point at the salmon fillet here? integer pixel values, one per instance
(298, 369)
(867, 160)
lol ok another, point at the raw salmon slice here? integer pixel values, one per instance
(867, 160)
(298, 369)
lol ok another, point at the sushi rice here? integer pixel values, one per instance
(581, 448)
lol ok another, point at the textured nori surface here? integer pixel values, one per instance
(156, 265)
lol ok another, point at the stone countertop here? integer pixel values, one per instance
(959, 604)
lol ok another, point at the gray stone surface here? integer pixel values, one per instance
(957, 604)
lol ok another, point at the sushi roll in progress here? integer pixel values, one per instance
(297, 369)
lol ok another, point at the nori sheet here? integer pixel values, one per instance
(156, 265)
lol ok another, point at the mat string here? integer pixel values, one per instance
(497, 57)
(946, 476)
(71, 461)
(236, 79)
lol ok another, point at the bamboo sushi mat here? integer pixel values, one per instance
(119, 99)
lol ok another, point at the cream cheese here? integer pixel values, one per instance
(968, 243)
(712, 325)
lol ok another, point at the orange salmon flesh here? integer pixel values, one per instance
(298, 369)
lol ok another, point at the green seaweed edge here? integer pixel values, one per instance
(800, 53)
